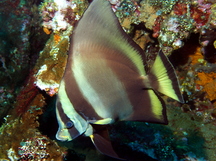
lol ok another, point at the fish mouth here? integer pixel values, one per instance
(63, 135)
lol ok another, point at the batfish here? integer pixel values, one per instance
(106, 80)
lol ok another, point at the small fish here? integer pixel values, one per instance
(106, 80)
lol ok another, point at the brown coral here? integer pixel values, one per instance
(47, 31)
(197, 56)
(208, 81)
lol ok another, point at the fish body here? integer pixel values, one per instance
(106, 80)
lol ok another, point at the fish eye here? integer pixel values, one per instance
(69, 124)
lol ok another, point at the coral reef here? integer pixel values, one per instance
(176, 20)
(207, 81)
(37, 148)
(51, 63)
(58, 20)
(34, 149)
(21, 101)
(59, 15)
(16, 130)
(13, 61)
(172, 21)
(127, 11)
(19, 42)
(34, 41)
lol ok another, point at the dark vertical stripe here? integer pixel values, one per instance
(76, 97)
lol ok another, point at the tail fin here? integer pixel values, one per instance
(163, 78)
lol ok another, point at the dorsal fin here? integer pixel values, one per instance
(100, 29)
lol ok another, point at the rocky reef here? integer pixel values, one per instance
(34, 41)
